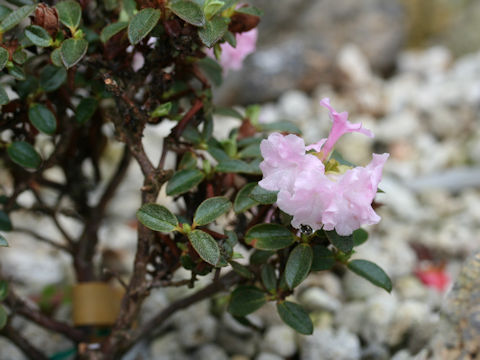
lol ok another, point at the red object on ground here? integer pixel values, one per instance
(434, 277)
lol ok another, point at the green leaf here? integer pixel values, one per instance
(42, 118)
(342, 243)
(263, 196)
(4, 11)
(298, 265)
(38, 35)
(184, 180)
(242, 201)
(3, 317)
(211, 209)
(205, 245)
(3, 242)
(260, 256)
(251, 151)
(23, 154)
(72, 51)
(212, 70)
(52, 77)
(70, 14)
(142, 23)
(157, 217)
(269, 237)
(245, 300)
(161, 110)
(3, 97)
(17, 72)
(3, 57)
(359, 237)
(14, 18)
(284, 126)
(85, 110)
(242, 270)
(269, 279)
(213, 31)
(211, 7)
(56, 57)
(238, 166)
(295, 316)
(3, 289)
(112, 30)
(188, 11)
(372, 272)
(188, 161)
(323, 259)
(19, 56)
(230, 112)
(230, 38)
(250, 10)
(5, 223)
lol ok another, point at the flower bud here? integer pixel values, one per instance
(47, 18)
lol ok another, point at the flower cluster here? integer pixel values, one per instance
(316, 191)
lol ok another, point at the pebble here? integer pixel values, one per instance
(326, 344)
(280, 340)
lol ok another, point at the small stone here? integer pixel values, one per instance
(354, 65)
(268, 356)
(235, 344)
(315, 298)
(325, 344)
(195, 332)
(280, 340)
(167, 347)
(210, 352)
(295, 105)
(379, 314)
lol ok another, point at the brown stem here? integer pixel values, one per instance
(20, 307)
(43, 239)
(23, 344)
(178, 130)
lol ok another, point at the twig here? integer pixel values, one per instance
(23, 344)
(20, 306)
(43, 239)
(180, 127)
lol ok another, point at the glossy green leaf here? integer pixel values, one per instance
(85, 110)
(15, 17)
(263, 196)
(188, 161)
(242, 270)
(238, 166)
(111, 30)
(211, 209)
(205, 245)
(295, 316)
(38, 35)
(3, 242)
(161, 110)
(372, 272)
(23, 154)
(212, 70)
(269, 278)
(261, 256)
(251, 151)
(284, 126)
(142, 23)
(269, 237)
(188, 11)
(3, 97)
(213, 31)
(3, 289)
(17, 72)
(5, 223)
(19, 56)
(298, 265)
(245, 300)
(242, 201)
(359, 237)
(323, 258)
(52, 77)
(157, 217)
(69, 13)
(342, 243)
(184, 180)
(212, 7)
(3, 317)
(42, 118)
(3, 57)
(72, 51)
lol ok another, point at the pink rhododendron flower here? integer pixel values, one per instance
(340, 126)
(333, 200)
(232, 57)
